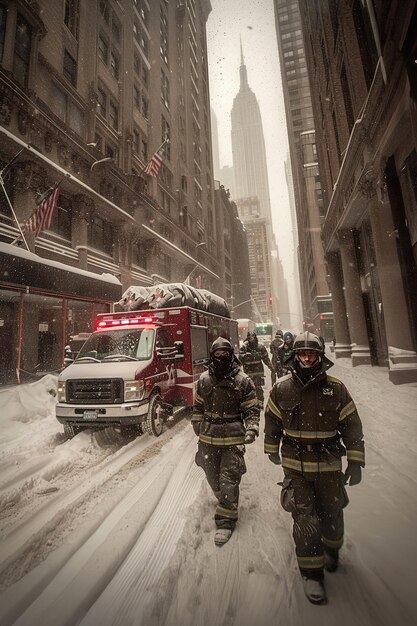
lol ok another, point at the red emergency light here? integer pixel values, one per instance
(125, 321)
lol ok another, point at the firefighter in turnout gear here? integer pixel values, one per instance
(274, 348)
(252, 356)
(225, 418)
(313, 417)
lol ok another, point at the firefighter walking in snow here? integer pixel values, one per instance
(311, 415)
(225, 417)
(252, 356)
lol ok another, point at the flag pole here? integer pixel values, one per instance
(14, 215)
(156, 152)
(43, 197)
(6, 167)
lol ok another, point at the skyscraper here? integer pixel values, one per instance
(248, 146)
(251, 191)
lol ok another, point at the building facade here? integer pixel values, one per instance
(304, 166)
(362, 58)
(89, 91)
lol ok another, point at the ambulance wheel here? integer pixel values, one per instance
(70, 431)
(154, 421)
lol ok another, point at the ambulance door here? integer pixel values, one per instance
(199, 350)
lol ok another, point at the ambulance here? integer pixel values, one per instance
(138, 369)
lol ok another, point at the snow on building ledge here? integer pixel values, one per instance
(402, 365)
(19, 267)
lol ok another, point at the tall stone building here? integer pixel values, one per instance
(361, 57)
(251, 191)
(89, 91)
(306, 180)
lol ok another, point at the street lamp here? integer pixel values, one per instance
(187, 280)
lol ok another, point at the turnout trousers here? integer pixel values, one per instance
(224, 467)
(316, 503)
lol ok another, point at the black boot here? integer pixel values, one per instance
(331, 559)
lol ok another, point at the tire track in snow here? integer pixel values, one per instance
(25, 537)
(92, 566)
(129, 598)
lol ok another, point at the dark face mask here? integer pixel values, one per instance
(221, 365)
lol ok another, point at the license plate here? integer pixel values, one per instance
(90, 415)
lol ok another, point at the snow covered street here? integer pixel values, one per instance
(107, 531)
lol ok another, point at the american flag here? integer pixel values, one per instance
(154, 165)
(44, 214)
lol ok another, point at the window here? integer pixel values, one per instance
(164, 89)
(103, 49)
(145, 106)
(114, 65)
(104, 10)
(114, 115)
(22, 48)
(102, 102)
(72, 16)
(68, 111)
(61, 224)
(136, 97)
(116, 29)
(144, 150)
(140, 36)
(100, 234)
(136, 142)
(70, 68)
(3, 16)
(163, 29)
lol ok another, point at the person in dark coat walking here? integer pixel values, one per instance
(225, 418)
(274, 348)
(252, 356)
(314, 419)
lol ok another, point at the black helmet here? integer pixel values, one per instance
(307, 341)
(221, 344)
(279, 333)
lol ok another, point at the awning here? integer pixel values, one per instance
(20, 268)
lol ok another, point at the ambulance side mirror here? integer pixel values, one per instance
(179, 345)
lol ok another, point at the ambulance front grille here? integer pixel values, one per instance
(95, 391)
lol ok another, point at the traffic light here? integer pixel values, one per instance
(270, 299)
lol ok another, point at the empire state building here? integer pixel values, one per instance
(248, 147)
(252, 198)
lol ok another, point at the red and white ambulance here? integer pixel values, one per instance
(138, 368)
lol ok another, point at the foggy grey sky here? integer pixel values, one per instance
(254, 21)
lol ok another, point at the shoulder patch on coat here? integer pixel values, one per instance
(327, 391)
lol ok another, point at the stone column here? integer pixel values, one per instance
(401, 353)
(83, 208)
(354, 303)
(342, 346)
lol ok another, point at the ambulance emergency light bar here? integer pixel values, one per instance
(125, 321)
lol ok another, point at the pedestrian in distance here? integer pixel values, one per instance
(276, 344)
(253, 355)
(312, 416)
(225, 418)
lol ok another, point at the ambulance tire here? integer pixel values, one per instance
(70, 430)
(154, 422)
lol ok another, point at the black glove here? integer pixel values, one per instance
(275, 458)
(250, 436)
(353, 474)
(196, 427)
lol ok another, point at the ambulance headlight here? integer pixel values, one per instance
(62, 394)
(134, 390)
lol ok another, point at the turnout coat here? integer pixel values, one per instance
(226, 408)
(316, 423)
